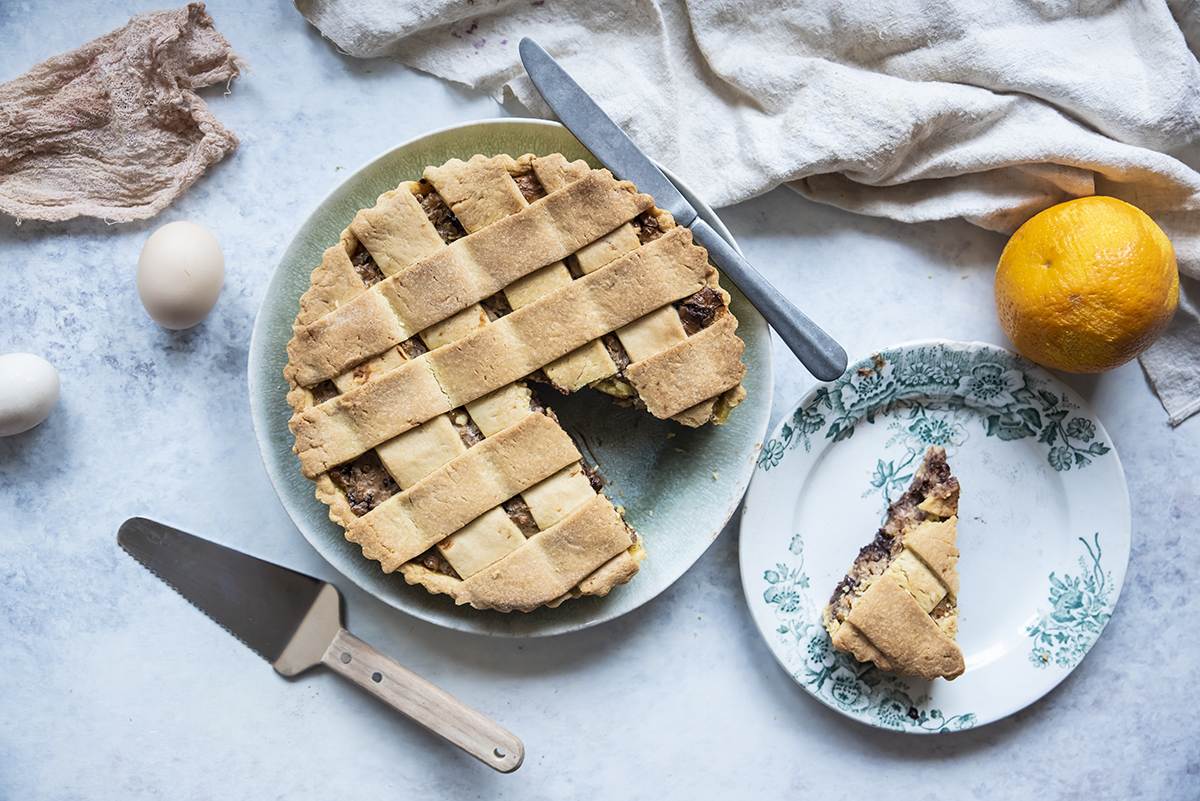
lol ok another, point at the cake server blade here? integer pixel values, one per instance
(815, 349)
(295, 622)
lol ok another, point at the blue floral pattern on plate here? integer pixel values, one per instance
(1079, 609)
(971, 399)
(1014, 400)
(885, 699)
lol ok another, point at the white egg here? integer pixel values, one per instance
(180, 274)
(28, 391)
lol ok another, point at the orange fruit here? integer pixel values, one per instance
(1087, 285)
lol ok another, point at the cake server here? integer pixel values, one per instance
(295, 622)
(815, 349)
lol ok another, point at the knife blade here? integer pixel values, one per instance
(295, 622)
(815, 349)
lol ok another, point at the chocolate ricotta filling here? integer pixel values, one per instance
(698, 311)
(616, 352)
(323, 392)
(364, 264)
(593, 476)
(932, 480)
(439, 213)
(496, 306)
(647, 227)
(529, 185)
(365, 483)
(467, 430)
(573, 267)
(433, 560)
(618, 385)
(413, 347)
(518, 512)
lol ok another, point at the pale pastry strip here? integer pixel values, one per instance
(592, 362)
(698, 415)
(705, 364)
(915, 578)
(618, 570)
(349, 425)
(849, 639)
(409, 523)
(463, 273)
(581, 367)
(396, 232)
(551, 562)
(554, 171)
(607, 248)
(480, 192)
(652, 333)
(498, 410)
(333, 283)
(714, 410)
(454, 327)
(481, 264)
(481, 542)
(526, 290)
(935, 542)
(375, 366)
(416, 453)
(553, 499)
(660, 272)
(890, 618)
(352, 333)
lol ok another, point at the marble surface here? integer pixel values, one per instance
(115, 687)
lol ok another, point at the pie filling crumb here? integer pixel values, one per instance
(443, 219)
(365, 483)
(365, 266)
(528, 184)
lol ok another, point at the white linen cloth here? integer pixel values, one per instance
(990, 110)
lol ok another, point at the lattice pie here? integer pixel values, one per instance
(420, 339)
(898, 605)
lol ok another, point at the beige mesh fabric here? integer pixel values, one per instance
(416, 344)
(114, 129)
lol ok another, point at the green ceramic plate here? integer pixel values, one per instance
(679, 486)
(1044, 526)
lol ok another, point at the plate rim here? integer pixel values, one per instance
(453, 618)
(748, 525)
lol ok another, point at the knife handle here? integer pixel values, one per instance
(433, 708)
(815, 349)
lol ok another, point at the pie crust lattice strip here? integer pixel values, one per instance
(898, 604)
(420, 339)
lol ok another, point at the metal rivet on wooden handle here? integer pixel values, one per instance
(427, 704)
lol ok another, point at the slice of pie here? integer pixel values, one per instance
(420, 341)
(898, 604)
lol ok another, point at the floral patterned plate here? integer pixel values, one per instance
(1044, 526)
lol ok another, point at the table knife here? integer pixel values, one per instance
(295, 622)
(815, 349)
